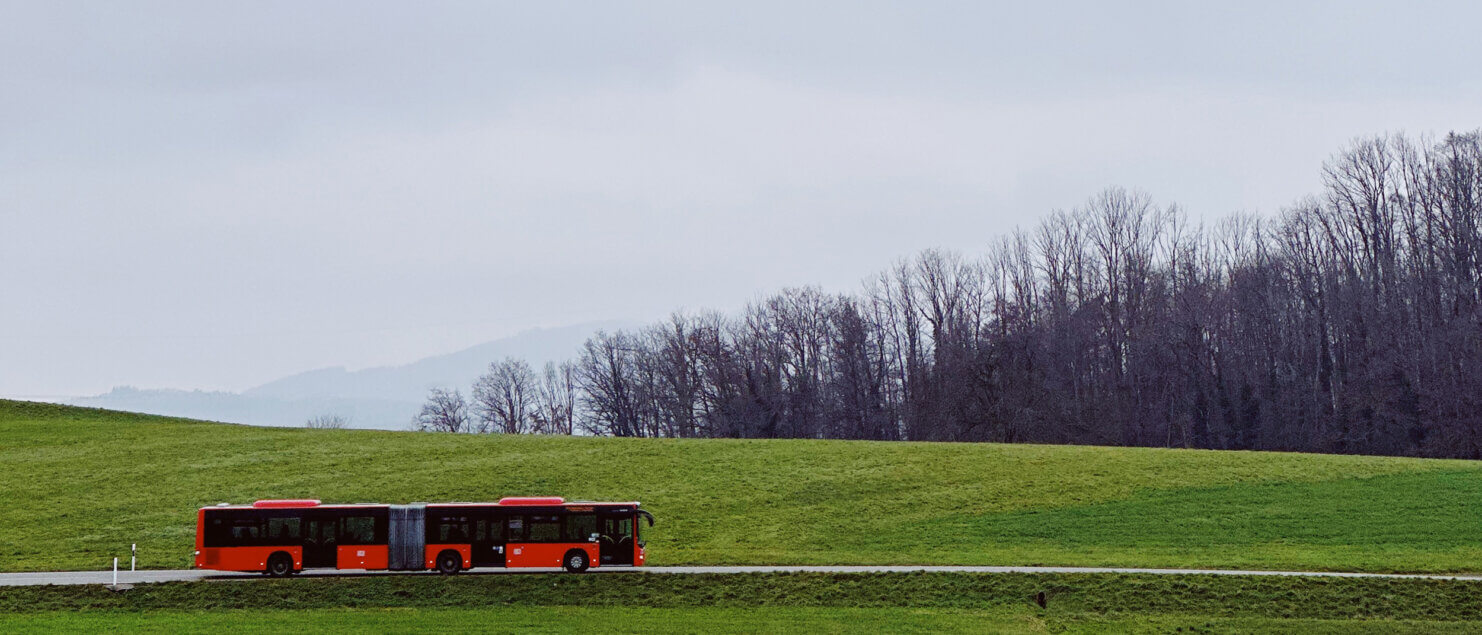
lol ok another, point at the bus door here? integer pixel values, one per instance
(320, 540)
(488, 541)
(615, 538)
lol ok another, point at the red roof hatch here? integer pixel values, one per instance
(286, 502)
(532, 500)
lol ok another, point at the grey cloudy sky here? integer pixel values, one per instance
(211, 195)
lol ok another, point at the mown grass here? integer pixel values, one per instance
(643, 620)
(525, 620)
(77, 486)
(799, 602)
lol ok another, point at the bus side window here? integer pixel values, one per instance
(246, 531)
(281, 530)
(357, 530)
(216, 533)
(580, 527)
(516, 525)
(545, 528)
(453, 529)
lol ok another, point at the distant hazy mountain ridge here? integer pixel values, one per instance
(384, 397)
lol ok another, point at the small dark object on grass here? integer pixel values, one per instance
(1040, 599)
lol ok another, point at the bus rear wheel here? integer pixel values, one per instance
(449, 562)
(280, 564)
(575, 561)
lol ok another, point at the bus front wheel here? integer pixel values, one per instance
(280, 564)
(575, 561)
(449, 562)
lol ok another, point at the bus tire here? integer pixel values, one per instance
(576, 561)
(449, 562)
(280, 564)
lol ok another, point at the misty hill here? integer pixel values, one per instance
(383, 397)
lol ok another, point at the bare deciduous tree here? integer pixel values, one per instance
(327, 422)
(556, 399)
(606, 373)
(504, 399)
(445, 411)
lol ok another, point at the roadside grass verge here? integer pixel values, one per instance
(691, 620)
(832, 602)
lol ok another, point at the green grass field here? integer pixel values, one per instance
(646, 620)
(858, 603)
(80, 485)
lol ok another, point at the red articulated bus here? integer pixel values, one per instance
(280, 537)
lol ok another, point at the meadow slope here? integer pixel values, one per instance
(79, 485)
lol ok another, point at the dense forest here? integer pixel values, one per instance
(1348, 323)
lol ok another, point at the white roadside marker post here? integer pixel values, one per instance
(133, 556)
(115, 571)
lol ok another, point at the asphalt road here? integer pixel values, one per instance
(138, 577)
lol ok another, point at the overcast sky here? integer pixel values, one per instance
(212, 195)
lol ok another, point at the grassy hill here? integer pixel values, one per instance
(79, 485)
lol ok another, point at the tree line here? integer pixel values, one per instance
(1349, 323)
(509, 399)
